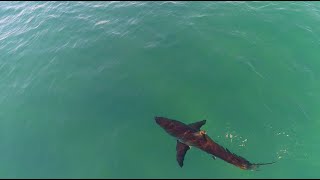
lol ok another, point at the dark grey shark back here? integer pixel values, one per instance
(191, 135)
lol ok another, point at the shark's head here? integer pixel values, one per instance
(163, 122)
(173, 127)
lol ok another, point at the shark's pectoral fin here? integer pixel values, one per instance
(181, 152)
(197, 125)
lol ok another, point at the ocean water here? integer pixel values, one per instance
(81, 83)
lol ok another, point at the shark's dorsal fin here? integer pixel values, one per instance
(197, 125)
(181, 152)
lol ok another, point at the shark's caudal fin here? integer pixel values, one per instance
(197, 125)
(181, 152)
(255, 166)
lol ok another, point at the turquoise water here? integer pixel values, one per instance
(81, 83)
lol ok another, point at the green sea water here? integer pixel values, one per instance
(81, 83)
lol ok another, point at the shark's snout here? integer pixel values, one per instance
(163, 122)
(157, 120)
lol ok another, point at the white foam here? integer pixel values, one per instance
(101, 22)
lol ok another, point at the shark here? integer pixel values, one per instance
(191, 135)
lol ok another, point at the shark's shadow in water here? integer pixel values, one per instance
(190, 135)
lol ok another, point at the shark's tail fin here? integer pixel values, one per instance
(255, 166)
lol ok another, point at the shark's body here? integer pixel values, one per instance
(190, 135)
